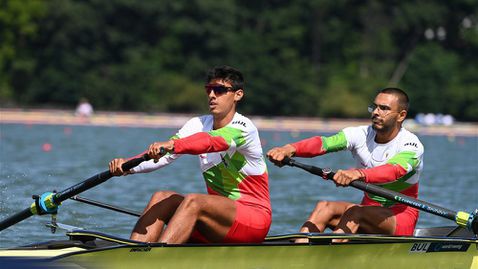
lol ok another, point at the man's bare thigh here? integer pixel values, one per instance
(216, 214)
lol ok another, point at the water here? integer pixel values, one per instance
(78, 152)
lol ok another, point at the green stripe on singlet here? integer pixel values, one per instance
(230, 134)
(399, 185)
(225, 177)
(405, 159)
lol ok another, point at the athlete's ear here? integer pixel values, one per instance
(238, 95)
(402, 115)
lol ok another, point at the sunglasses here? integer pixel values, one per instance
(218, 89)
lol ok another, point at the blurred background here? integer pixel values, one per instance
(322, 58)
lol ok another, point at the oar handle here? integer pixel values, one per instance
(325, 173)
(135, 162)
(463, 219)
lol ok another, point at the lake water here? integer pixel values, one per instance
(28, 165)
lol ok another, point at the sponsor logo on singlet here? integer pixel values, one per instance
(412, 144)
(239, 123)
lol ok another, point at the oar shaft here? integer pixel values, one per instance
(95, 180)
(410, 201)
(82, 186)
(22, 215)
(69, 192)
(463, 219)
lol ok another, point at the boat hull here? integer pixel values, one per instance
(362, 251)
(390, 255)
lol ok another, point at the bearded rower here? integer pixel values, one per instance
(386, 153)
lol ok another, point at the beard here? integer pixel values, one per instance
(381, 126)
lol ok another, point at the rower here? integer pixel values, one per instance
(386, 154)
(237, 207)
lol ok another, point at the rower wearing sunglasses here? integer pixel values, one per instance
(237, 207)
(386, 154)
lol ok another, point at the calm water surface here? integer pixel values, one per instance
(78, 152)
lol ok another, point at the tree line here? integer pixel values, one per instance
(322, 58)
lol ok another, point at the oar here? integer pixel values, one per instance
(48, 202)
(463, 219)
(106, 206)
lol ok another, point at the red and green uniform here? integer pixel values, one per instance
(395, 165)
(232, 164)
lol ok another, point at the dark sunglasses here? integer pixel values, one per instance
(218, 89)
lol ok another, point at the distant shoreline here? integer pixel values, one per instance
(164, 120)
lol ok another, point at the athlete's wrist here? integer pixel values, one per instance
(362, 174)
(170, 147)
(290, 150)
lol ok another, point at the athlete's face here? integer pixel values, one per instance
(386, 112)
(222, 97)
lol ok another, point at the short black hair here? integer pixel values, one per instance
(403, 100)
(228, 74)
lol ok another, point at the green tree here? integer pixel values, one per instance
(18, 26)
(309, 58)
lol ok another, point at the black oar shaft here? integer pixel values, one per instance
(81, 187)
(22, 215)
(410, 201)
(71, 191)
(95, 180)
(106, 206)
(392, 195)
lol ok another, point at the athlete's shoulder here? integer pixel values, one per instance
(410, 140)
(363, 129)
(357, 132)
(242, 122)
(195, 124)
(199, 120)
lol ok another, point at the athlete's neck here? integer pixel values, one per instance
(222, 120)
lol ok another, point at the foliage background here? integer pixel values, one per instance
(321, 58)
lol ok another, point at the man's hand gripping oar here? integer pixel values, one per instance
(461, 218)
(48, 202)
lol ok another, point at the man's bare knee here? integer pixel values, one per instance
(323, 207)
(161, 195)
(164, 197)
(322, 214)
(191, 202)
